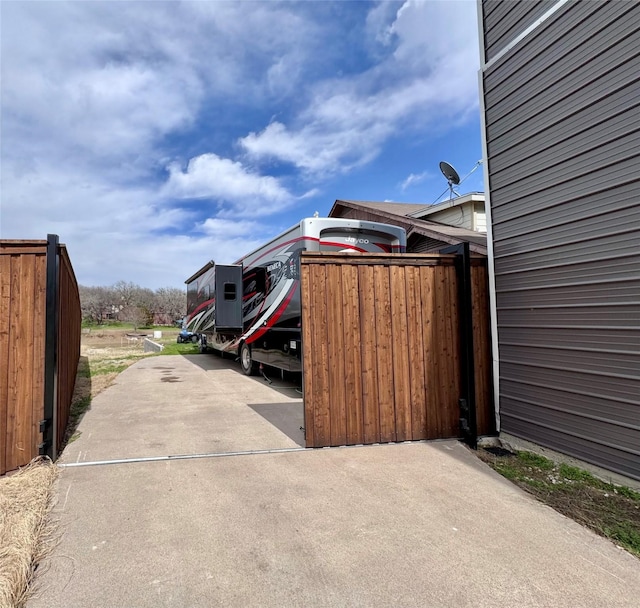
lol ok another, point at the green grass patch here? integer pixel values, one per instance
(628, 492)
(84, 370)
(625, 535)
(173, 348)
(107, 368)
(611, 511)
(78, 408)
(576, 474)
(508, 471)
(535, 460)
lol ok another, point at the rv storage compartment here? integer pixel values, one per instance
(228, 298)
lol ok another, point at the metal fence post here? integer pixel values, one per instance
(49, 425)
(467, 401)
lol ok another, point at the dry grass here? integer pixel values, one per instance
(27, 533)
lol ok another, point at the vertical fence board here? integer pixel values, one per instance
(432, 363)
(417, 353)
(5, 311)
(336, 355)
(401, 368)
(482, 349)
(384, 354)
(450, 290)
(14, 363)
(20, 405)
(322, 419)
(370, 409)
(352, 341)
(440, 355)
(40, 286)
(308, 360)
(444, 347)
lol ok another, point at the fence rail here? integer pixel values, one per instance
(382, 348)
(40, 324)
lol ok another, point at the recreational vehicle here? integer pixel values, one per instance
(251, 309)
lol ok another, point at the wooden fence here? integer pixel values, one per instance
(382, 348)
(40, 324)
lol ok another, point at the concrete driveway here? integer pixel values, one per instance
(422, 524)
(188, 405)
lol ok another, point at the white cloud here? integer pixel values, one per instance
(413, 179)
(220, 227)
(228, 183)
(427, 80)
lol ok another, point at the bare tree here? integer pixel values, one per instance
(125, 292)
(171, 302)
(140, 304)
(127, 301)
(96, 303)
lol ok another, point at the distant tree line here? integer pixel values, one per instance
(134, 304)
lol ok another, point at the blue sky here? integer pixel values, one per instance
(155, 136)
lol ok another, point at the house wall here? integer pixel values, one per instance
(480, 219)
(561, 126)
(460, 215)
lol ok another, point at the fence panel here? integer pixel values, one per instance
(23, 346)
(381, 348)
(69, 330)
(22, 319)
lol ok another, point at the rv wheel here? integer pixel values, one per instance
(202, 344)
(246, 362)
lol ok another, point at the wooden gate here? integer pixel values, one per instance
(382, 348)
(40, 323)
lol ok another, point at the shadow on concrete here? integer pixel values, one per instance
(286, 417)
(289, 385)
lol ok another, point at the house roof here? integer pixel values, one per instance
(426, 210)
(399, 214)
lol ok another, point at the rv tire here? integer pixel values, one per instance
(202, 344)
(246, 362)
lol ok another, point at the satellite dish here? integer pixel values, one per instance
(450, 173)
(453, 179)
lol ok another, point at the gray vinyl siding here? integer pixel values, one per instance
(505, 20)
(562, 136)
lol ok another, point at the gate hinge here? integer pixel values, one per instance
(44, 424)
(464, 415)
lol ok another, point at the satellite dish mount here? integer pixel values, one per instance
(453, 179)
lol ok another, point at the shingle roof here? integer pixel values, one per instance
(399, 214)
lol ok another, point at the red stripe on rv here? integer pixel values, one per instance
(197, 310)
(342, 245)
(276, 247)
(275, 316)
